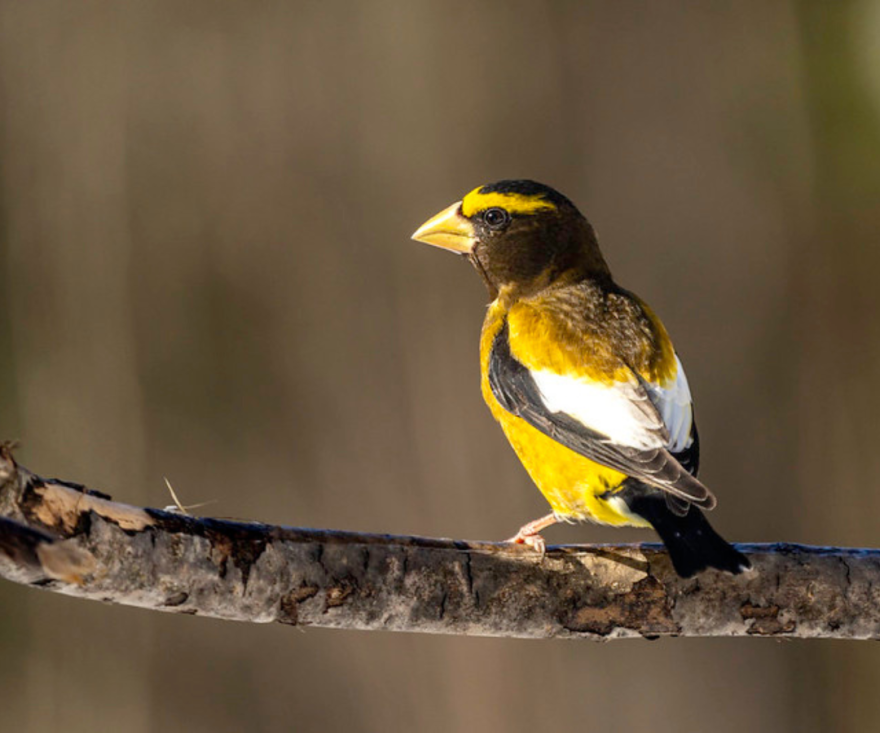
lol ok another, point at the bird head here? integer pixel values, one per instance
(521, 236)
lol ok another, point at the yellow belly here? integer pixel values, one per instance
(571, 483)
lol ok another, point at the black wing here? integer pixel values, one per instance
(689, 458)
(516, 391)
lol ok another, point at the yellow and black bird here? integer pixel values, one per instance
(581, 374)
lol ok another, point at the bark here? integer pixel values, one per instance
(62, 537)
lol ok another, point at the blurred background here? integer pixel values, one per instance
(206, 274)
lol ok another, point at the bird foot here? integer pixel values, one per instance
(535, 541)
(528, 534)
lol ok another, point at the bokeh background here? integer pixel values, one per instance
(206, 274)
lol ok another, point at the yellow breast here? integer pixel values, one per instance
(571, 483)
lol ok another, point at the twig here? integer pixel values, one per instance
(62, 537)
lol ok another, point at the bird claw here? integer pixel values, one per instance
(528, 534)
(535, 541)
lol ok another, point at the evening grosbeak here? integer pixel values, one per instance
(581, 374)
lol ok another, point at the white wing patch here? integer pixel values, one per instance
(676, 408)
(622, 411)
(639, 415)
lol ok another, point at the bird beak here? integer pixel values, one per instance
(448, 229)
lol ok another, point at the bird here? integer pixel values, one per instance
(581, 375)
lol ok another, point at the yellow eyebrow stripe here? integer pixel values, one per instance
(514, 203)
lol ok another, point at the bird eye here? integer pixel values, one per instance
(496, 217)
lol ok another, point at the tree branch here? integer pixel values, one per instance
(62, 537)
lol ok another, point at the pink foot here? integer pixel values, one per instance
(535, 541)
(529, 534)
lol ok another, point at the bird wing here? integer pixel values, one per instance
(631, 426)
(675, 405)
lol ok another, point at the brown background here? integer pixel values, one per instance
(205, 274)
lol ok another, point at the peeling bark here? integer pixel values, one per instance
(63, 537)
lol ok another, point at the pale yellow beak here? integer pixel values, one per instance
(448, 229)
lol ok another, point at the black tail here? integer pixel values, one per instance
(692, 543)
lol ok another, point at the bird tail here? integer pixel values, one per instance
(690, 540)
